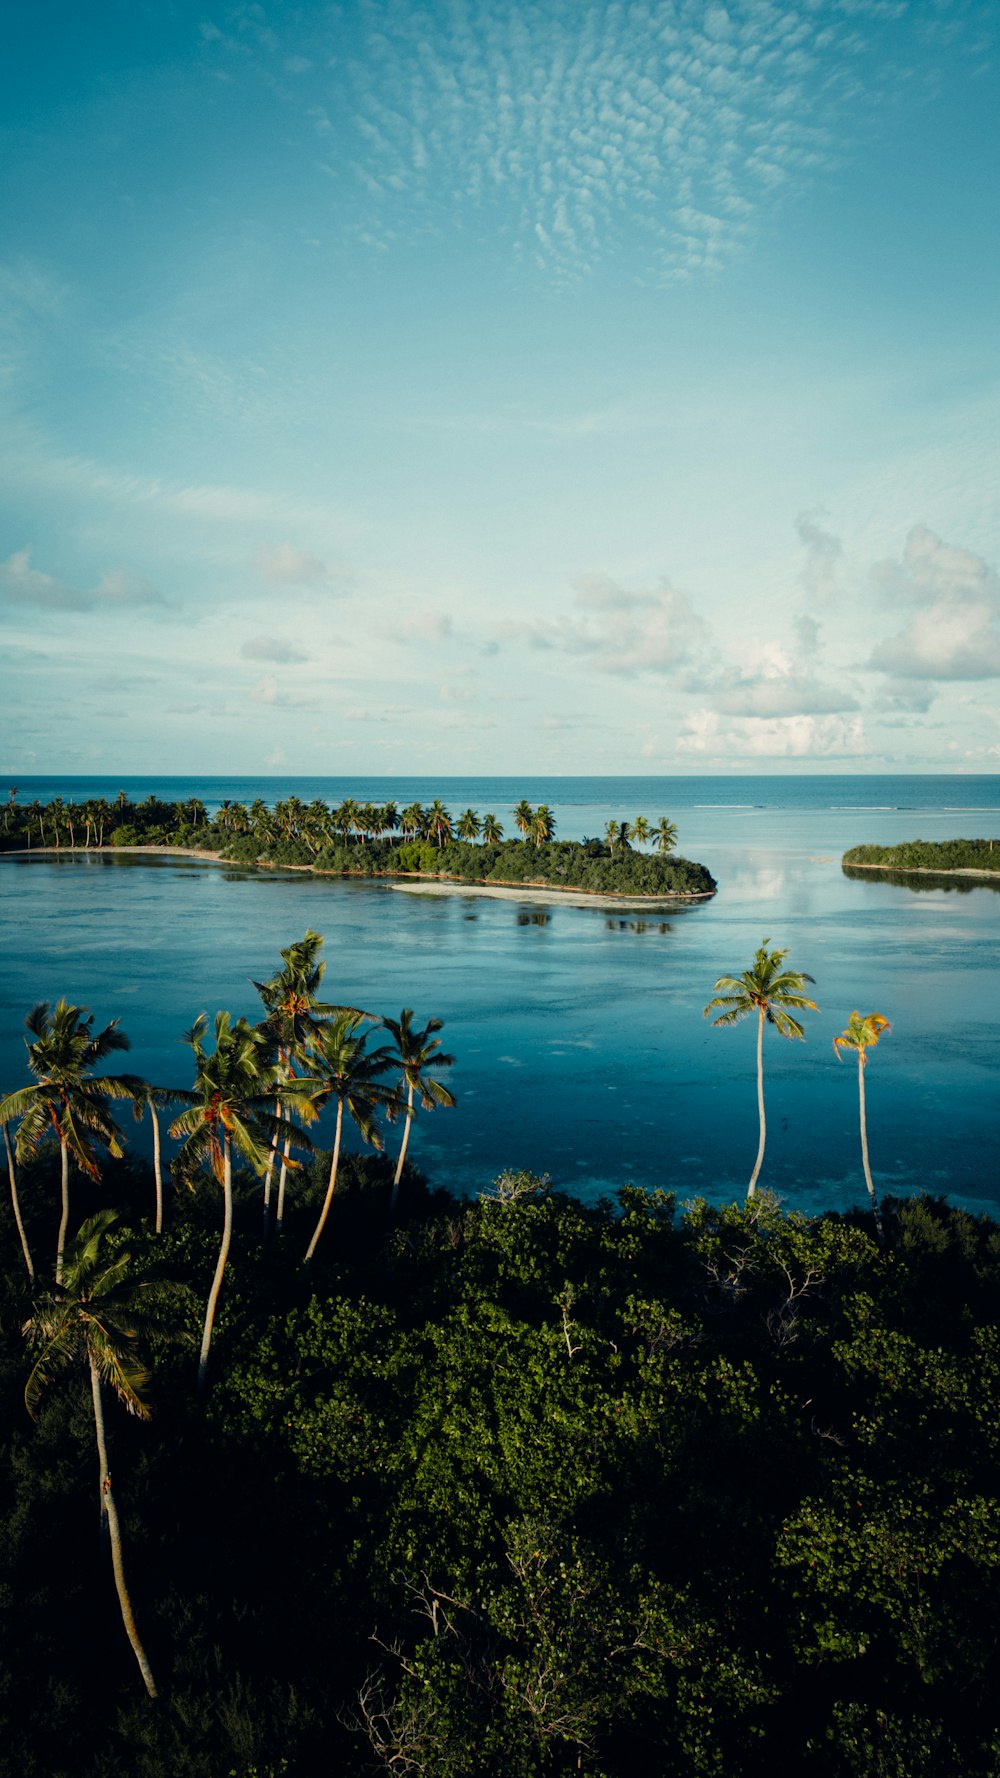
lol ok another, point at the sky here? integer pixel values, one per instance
(488, 386)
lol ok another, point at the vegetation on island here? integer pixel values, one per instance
(508, 1485)
(362, 839)
(927, 855)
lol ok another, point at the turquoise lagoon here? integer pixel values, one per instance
(581, 1049)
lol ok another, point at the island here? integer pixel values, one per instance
(355, 839)
(952, 858)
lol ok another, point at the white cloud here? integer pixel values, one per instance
(620, 631)
(24, 585)
(286, 565)
(427, 625)
(788, 737)
(272, 648)
(955, 631)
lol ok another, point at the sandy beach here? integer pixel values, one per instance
(646, 904)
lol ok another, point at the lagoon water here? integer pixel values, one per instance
(581, 1050)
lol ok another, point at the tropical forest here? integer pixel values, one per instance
(310, 1467)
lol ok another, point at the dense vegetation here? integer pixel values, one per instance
(364, 840)
(523, 1487)
(941, 855)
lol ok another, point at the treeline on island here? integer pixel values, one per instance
(924, 855)
(507, 1485)
(364, 839)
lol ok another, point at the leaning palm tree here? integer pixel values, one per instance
(416, 1053)
(768, 991)
(95, 1320)
(67, 1100)
(228, 1109)
(861, 1035)
(351, 1074)
(16, 1204)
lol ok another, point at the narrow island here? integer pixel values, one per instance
(364, 840)
(939, 858)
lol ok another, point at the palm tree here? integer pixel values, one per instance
(543, 825)
(16, 1204)
(492, 831)
(294, 1019)
(640, 830)
(155, 1100)
(862, 1035)
(412, 820)
(438, 822)
(96, 1319)
(524, 815)
(469, 825)
(67, 1100)
(416, 1053)
(228, 1109)
(350, 1074)
(666, 835)
(768, 991)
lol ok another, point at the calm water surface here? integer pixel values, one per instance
(581, 1050)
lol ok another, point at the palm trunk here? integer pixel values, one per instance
(17, 1206)
(157, 1168)
(402, 1152)
(269, 1175)
(110, 1512)
(64, 1218)
(752, 1187)
(282, 1176)
(328, 1200)
(864, 1149)
(227, 1235)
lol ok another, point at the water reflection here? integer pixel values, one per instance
(534, 919)
(659, 926)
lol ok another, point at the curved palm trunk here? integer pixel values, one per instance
(864, 1149)
(64, 1218)
(110, 1512)
(15, 1201)
(752, 1187)
(157, 1168)
(402, 1152)
(227, 1235)
(331, 1187)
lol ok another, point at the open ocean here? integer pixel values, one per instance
(581, 1049)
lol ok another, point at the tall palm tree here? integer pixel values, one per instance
(640, 830)
(351, 1074)
(154, 1100)
(294, 1019)
(16, 1204)
(412, 820)
(861, 1035)
(492, 831)
(95, 1319)
(416, 1053)
(666, 835)
(469, 825)
(543, 825)
(228, 1109)
(67, 1100)
(524, 815)
(438, 822)
(767, 990)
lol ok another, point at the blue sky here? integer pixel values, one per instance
(496, 387)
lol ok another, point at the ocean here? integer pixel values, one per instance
(581, 1047)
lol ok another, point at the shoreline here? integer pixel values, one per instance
(926, 870)
(407, 881)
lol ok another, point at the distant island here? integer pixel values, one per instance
(966, 858)
(362, 839)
